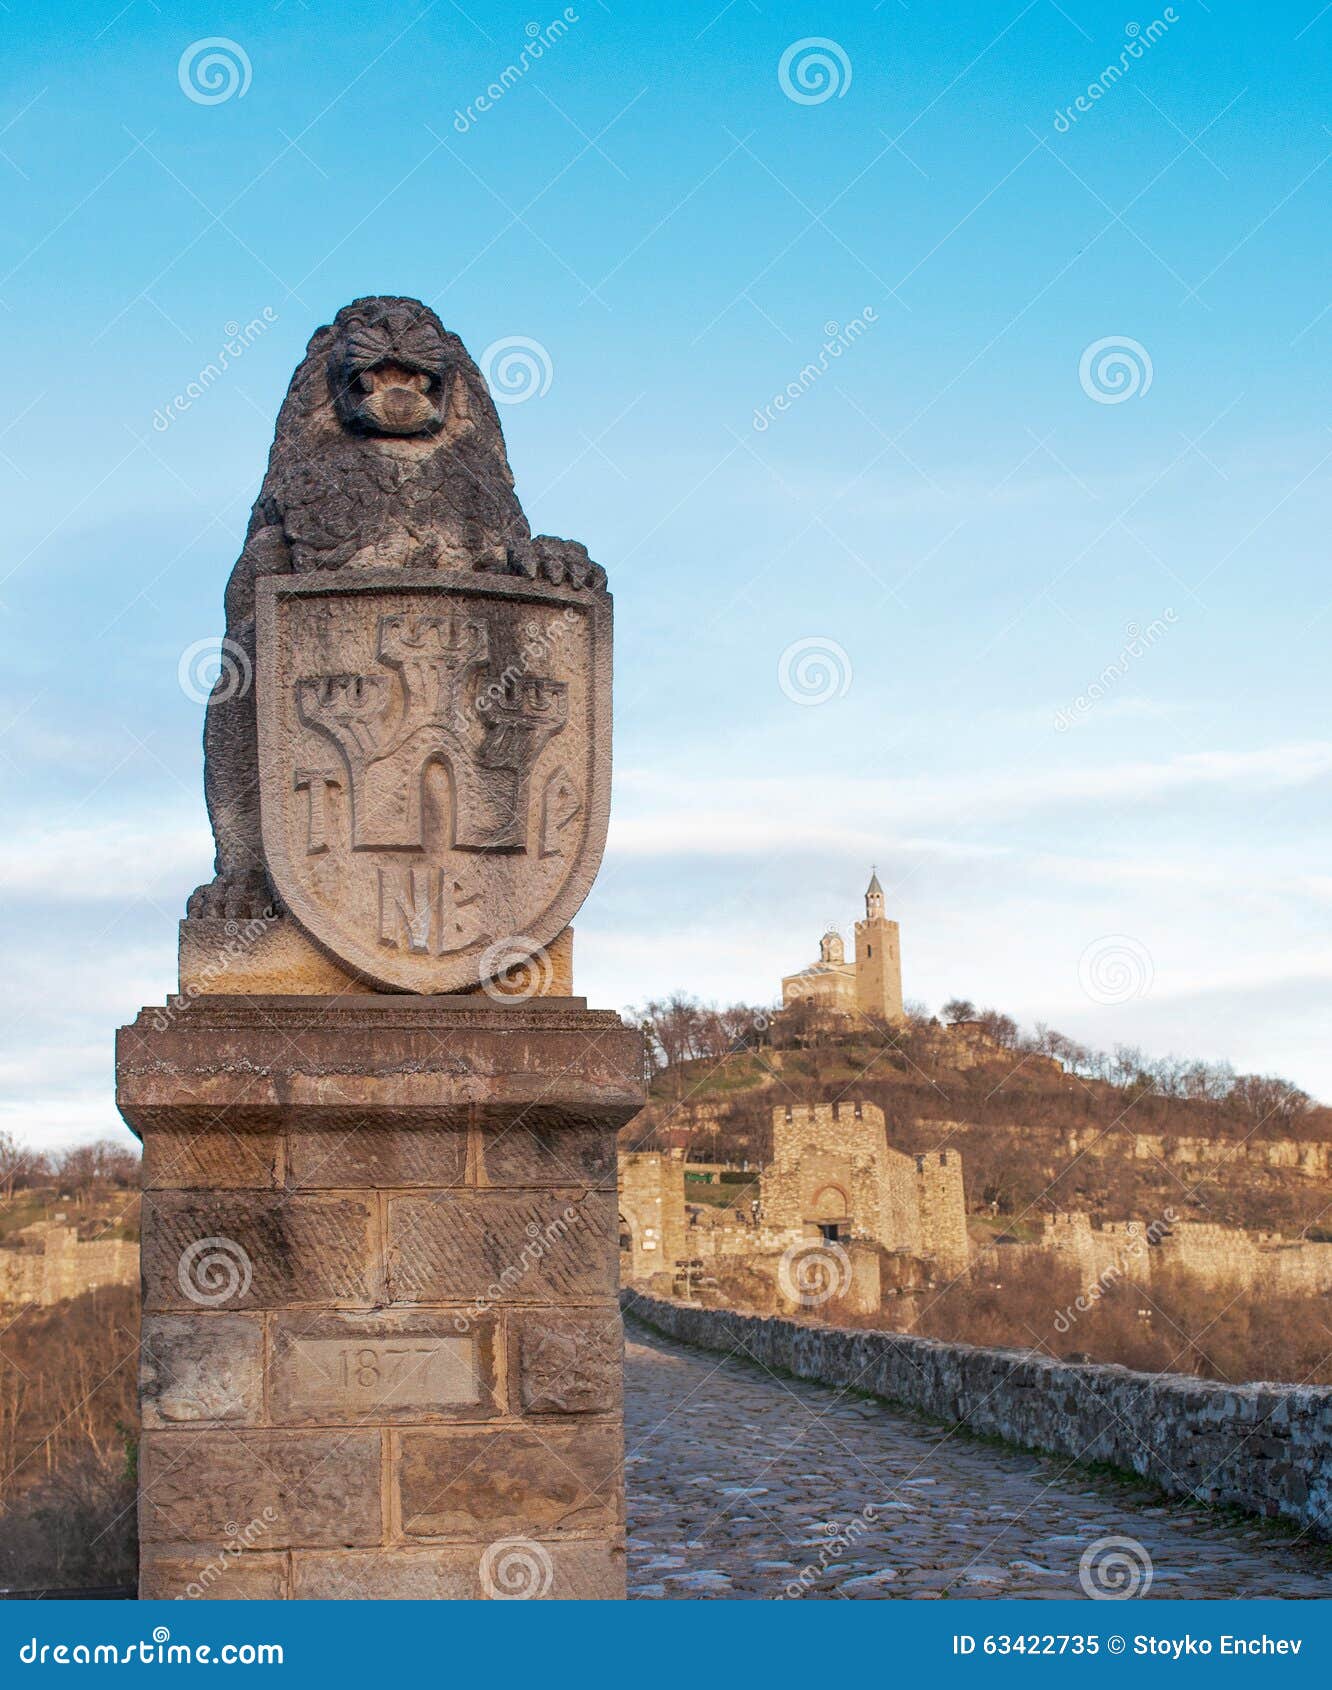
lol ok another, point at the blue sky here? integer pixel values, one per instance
(962, 511)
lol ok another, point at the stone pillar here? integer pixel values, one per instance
(381, 1343)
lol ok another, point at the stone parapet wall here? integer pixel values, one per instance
(1264, 1448)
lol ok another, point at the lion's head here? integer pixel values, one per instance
(389, 367)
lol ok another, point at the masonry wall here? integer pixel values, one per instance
(1221, 1256)
(1266, 1449)
(65, 1267)
(831, 1161)
(879, 968)
(941, 1203)
(652, 1211)
(381, 1353)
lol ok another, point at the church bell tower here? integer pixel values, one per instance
(878, 959)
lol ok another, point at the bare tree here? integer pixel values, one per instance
(15, 1162)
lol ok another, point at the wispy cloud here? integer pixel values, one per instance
(726, 814)
(106, 860)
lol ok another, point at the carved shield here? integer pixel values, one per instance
(434, 756)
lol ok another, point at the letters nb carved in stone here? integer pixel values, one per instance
(434, 768)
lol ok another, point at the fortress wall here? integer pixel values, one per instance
(1263, 1448)
(65, 1267)
(651, 1198)
(942, 1209)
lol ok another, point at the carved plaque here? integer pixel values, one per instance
(434, 754)
(358, 1372)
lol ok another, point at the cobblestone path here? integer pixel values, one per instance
(744, 1486)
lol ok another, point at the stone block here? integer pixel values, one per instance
(587, 1572)
(386, 1575)
(211, 1159)
(501, 1246)
(384, 1058)
(225, 1574)
(222, 1250)
(374, 1369)
(540, 1154)
(317, 1489)
(569, 1363)
(510, 1483)
(523, 1569)
(195, 1367)
(330, 1158)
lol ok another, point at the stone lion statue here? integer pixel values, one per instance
(388, 454)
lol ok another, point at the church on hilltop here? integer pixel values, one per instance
(869, 986)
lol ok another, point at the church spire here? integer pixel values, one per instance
(874, 898)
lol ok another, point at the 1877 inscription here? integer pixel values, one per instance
(358, 1373)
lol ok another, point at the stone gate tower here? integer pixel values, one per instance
(878, 959)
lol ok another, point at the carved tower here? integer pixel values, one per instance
(878, 959)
